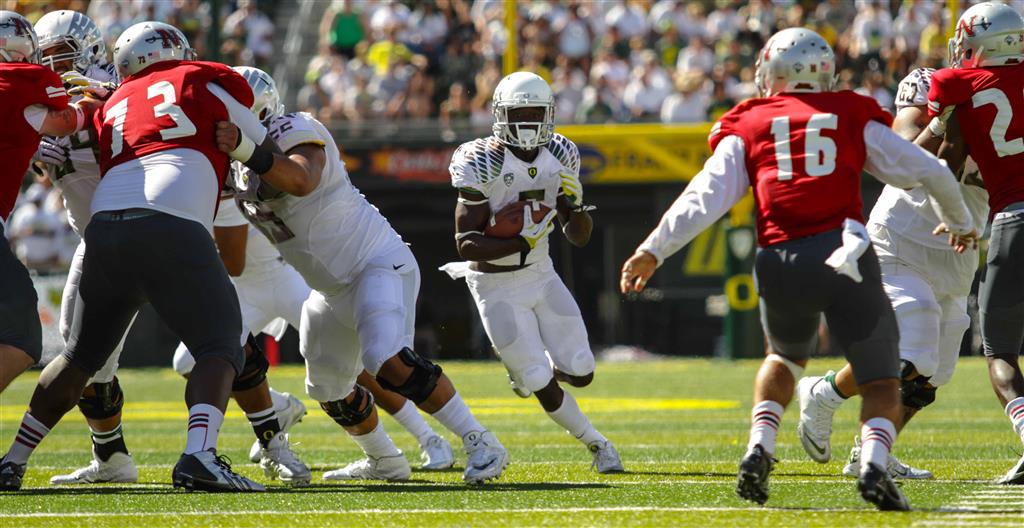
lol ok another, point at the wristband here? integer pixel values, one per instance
(80, 119)
(937, 127)
(244, 150)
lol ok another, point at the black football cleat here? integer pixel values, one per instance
(752, 481)
(11, 475)
(1015, 476)
(205, 471)
(877, 488)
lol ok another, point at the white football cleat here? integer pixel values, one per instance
(280, 462)
(119, 468)
(487, 458)
(815, 425)
(606, 458)
(287, 416)
(437, 454)
(385, 468)
(897, 470)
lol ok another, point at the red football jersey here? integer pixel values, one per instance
(22, 85)
(989, 106)
(168, 106)
(804, 156)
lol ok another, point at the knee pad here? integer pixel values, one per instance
(794, 368)
(254, 372)
(350, 414)
(420, 383)
(107, 402)
(183, 361)
(915, 393)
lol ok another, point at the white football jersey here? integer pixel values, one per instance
(330, 234)
(261, 257)
(487, 167)
(910, 213)
(78, 177)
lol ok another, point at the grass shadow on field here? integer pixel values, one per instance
(708, 474)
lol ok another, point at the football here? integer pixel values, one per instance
(508, 222)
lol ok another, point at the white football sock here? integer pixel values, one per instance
(764, 426)
(1015, 411)
(410, 418)
(877, 436)
(569, 416)
(30, 433)
(455, 417)
(377, 443)
(204, 421)
(279, 400)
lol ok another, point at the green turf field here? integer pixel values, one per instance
(681, 427)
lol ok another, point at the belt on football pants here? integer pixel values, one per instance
(124, 214)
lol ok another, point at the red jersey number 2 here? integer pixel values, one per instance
(1004, 113)
(183, 126)
(819, 150)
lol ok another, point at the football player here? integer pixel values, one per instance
(529, 315)
(268, 287)
(805, 147)
(149, 240)
(361, 312)
(974, 106)
(34, 103)
(927, 283)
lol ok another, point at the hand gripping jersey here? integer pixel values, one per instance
(989, 106)
(330, 234)
(78, 177)
(22, 85)
(804, 156)
(168, 106)
(910, 213)
(487, 167)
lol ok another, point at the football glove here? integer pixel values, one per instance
(572, 188)
(82, 85)
(52, 151)
(532, 232)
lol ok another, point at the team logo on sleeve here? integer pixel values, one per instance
(508, 178)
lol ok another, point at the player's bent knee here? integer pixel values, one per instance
(916, 391)
(183, 361)
(795, 367)
(534, 377)
(254, 371)
(106, 402)
(421, 382)
(352, 413)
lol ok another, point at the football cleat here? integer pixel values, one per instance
(280, 462)
(384, 468)
(606, 458)
(752, 480)
(287, 416)
(206, 471)
(815, 425)
(119, 468)
(877, 488)
(1015, 476)
(437, 454)
(11, 475)
(897, 470)
(487, 458)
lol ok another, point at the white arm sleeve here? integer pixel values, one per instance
(710, 194)
(902, 164)
(240, 115)
(36, 115)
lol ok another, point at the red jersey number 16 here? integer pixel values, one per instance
(819, 150)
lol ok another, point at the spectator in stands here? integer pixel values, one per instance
(343, 26)
(874, 87)
(34, 232)
(456, 108)
(689, 104)
(647, 90)
(428, 28)
(696, 56)
(255, 29)
(870, 36)
(628, 18)
(574, 35)
(386, 51)
(194, 21)
(720, 102)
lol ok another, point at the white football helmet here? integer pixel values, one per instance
(266, 99)
(18, 42)
(987, 34)
(520, 90)
(795, 60)
(148, 43)
(76, 30)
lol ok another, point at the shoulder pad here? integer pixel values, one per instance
(292, 130)
(477, 162)
(566, 152)
(913, 89)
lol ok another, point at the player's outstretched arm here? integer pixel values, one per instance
(471, 218)
(577, 224)
(296, 173)
(70, 119)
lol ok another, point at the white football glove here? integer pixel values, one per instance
(855, 243)
(52, 151)
(82, 85)
(532, 232)
(572, 188)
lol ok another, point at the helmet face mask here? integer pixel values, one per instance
(149, 43)
(524, 111)
(61, 57)
(77, 38)
(20, 43)
(795, 60)
(987, 34)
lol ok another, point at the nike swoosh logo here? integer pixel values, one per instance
(489, 463)
(397, 267)
(819, 449)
